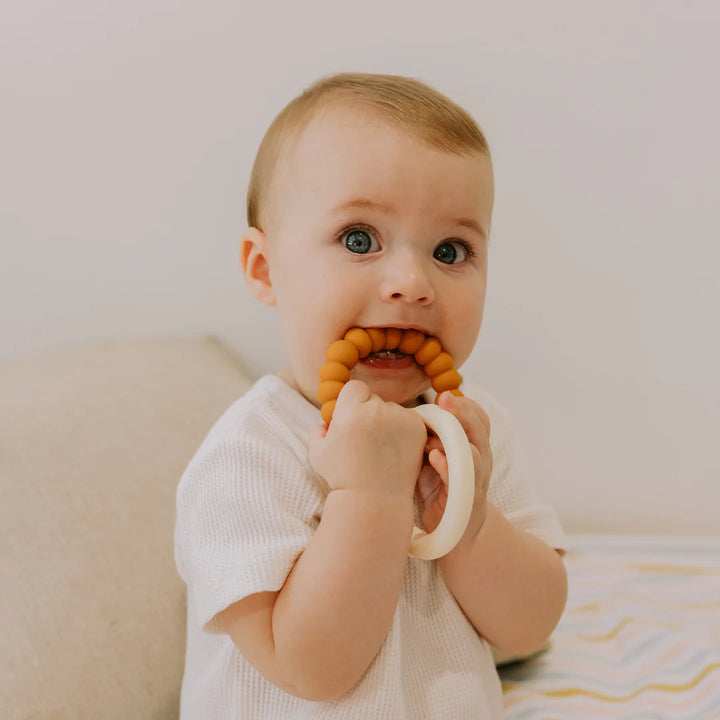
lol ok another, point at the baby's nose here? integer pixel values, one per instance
(406, 279)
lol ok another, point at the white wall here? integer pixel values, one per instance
(127, 131)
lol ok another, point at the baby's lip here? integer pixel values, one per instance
(400, 326)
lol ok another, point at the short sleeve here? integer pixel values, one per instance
(244, 515)
(510, 490)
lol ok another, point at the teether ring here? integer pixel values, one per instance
(461, 486)
(343, 355)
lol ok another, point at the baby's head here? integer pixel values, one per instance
(369, 205)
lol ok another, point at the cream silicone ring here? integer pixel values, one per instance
(461, 486)
(343, 355)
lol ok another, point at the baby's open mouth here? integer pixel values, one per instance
(393, 348)
(391, 358)
(384, 349)
(388, 360)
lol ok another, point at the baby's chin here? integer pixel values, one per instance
(408, 392)
(402, 394)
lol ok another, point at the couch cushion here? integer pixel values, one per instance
(93, 441)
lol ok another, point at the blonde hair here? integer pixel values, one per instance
(420, 109)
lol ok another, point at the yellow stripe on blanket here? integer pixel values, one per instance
(619, 598)
(659, 687)
(674, 569)
(640, 637)
(624, 623)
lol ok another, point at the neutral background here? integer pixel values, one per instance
(127, 132)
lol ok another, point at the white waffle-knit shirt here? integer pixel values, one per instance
(248, 504)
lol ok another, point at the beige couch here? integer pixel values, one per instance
(92, 443)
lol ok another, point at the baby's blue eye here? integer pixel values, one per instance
(360, 242)
(451, 253)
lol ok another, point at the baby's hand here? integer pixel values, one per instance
(370, 446)
(432, 483)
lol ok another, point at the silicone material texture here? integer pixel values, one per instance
(343, 355)
(461, 486)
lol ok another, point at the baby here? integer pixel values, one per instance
(369, 205)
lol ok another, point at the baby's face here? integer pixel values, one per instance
(372, 227)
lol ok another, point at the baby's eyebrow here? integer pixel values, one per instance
(471, 225)
(365, 204)
(368, 204)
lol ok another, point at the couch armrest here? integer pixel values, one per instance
(93, 440)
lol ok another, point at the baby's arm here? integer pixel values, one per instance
(318, 634)
(511, 585)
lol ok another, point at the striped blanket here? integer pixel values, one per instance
(639, 640)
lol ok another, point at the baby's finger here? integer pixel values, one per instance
(433, 443)
(470, 410)
(428, 484)
(472, 417)
(438, 461)
(352, 394)
(483, 469)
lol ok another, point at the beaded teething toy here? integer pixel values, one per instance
(343, 355)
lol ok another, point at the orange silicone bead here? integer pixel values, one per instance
(393, 336)
(362, 341)
(439, 365)
(334, 371)
(344, 352)
(411, 342)
(378, 338)
(329, 390)
(327, 410)
(449, 380)
(343, 355)
(428, 351)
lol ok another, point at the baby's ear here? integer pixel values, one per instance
(255, 265)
